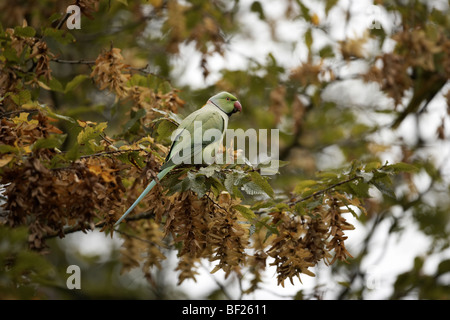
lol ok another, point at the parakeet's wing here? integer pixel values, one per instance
(204, 119)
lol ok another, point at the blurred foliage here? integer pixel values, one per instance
(86, 116)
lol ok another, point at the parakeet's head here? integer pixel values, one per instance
(226, 102)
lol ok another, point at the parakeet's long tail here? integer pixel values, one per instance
(150, 186)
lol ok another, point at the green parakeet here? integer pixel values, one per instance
(197, 136)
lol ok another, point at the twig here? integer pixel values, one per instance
(357, 271)
(72, 229)
(81, 61)
(322, 191)
(220, 285)
(106, 139)
(141, 216)
(99, 154)
(143, 70)
(100, 224)
(214, 202)
(241, 289)
(5, 114)
(292, 203)
(63, 20)
(126, 234)
(146, 71)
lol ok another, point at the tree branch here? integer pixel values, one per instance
(88, 62)
(143, 70)
(6, 114)
(100, 224)
(99, 154)
(292, 203)
(220, 285)
(357, 270)
(126, 234)
(63, 20)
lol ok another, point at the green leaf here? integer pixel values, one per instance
(137, 80)
(5, 148)
(247, 213)
(326, 52)
(345, 284)
(173, 180)
(304, 185)
(216, 186)
(443, 267)
(329, 5)
(170, 115)
(236, 191)
(16, 261)
(401, 167)
(271, 167)
(75, 82)
(262, 183)
(91, 132)
(327, 176)
(367, 176)
(54, 17)
(27, 32)
(231, 180)
(356, 166)
(58, 161)
(299, 208)
(314, 203)
(131, 158)
(271, 229)
(59, 35)
(209, 170)
(10, 54)
(372, 166)
(51, 114)
(305, 11)
(165, 129)
(378, 33)
(138, 115)
(24, 96)
(252, 188)
(308, 39)
(54, 141)
(258, 8)
(360, 189)
(165, 87)
(354, 214)
(196, 183)
(384, 184)
(262, 204)
(55, 85)
(73, 153)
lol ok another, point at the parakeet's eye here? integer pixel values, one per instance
(228, 99)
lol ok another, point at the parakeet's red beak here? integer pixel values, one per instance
(237, 107)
